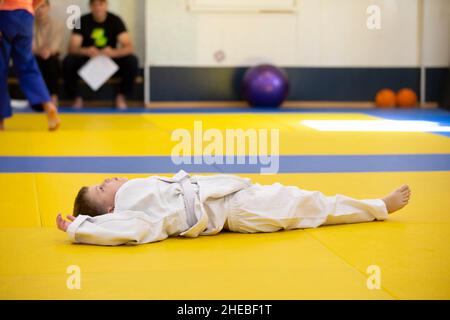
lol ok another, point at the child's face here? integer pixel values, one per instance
(104, 194)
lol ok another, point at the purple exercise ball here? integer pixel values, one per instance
(265, 86)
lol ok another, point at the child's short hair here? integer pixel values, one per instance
(83, 205)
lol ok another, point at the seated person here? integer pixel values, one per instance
(100, 33)
(48, 38)
(120, 211)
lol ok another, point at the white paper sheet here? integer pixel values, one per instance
(97, 71)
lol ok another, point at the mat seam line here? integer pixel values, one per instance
(334, 252)
(37, 201)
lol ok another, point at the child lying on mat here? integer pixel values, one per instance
(121, 211)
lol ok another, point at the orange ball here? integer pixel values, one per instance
(406, 98)
(385, 99)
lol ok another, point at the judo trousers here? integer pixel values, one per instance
(16, 40)
(276, 207)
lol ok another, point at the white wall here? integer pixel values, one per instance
(437, 33)
(320, 33)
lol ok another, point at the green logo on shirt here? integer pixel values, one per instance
(99, 37)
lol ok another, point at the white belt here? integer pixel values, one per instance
(189, 194)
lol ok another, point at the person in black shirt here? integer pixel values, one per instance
(101, 33)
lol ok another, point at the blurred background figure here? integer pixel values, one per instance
(47, 43)
(101, 33)
(16, 41)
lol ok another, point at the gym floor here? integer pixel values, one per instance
(41, 172)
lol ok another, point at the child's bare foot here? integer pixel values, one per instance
(397, 199)
(52, 115)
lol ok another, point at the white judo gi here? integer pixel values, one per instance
(155, 208)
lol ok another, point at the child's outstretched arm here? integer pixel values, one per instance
(62, 224)
(129, 227)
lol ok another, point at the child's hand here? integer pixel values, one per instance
(62, 224)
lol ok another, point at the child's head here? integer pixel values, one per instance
(99, 199)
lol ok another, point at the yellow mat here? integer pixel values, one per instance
(411, 249)
(150, 134)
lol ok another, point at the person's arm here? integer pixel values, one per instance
(125, 47)
(34, 47)
(39, 50)
(75, 47)
(129, 227)
(57, 39)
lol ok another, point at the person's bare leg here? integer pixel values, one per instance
(2, 127)
(398, 199)
(121, 103)
(52, 116)
(78, 103)
(55, 100)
